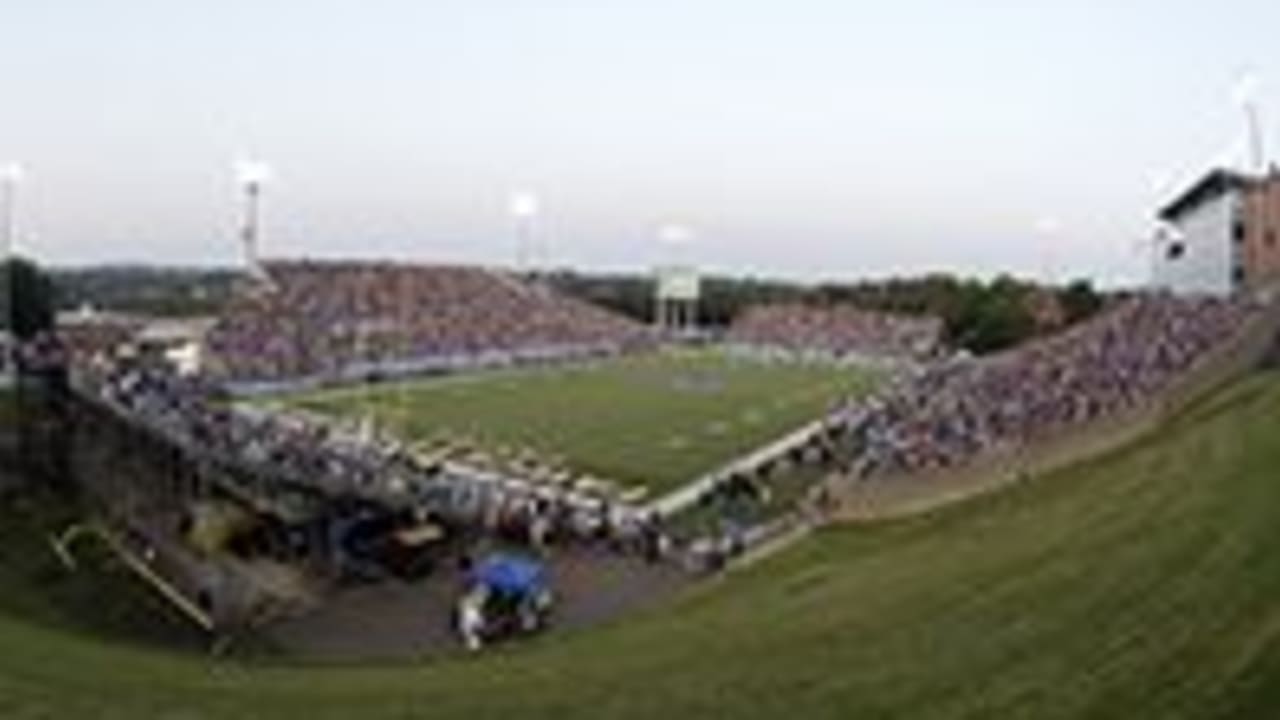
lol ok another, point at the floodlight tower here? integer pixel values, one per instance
(11, 176)
(524, 211)
(251, 175)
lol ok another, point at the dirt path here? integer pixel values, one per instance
(396, 620)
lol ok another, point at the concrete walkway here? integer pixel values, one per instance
(396, 620)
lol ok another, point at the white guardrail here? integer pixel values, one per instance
(689, 493)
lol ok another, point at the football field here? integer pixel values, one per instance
(655, 420)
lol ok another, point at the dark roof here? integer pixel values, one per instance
(1217, 182)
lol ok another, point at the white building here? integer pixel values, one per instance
(1200, 255)
(181, 340)
(1221, 235)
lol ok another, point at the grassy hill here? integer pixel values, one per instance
(1142, 585)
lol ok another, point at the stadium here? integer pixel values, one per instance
(467, 482)
(302, 484)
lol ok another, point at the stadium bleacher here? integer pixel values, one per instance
(939, 413)
(330, 319)
(838, 331)
(952, 411)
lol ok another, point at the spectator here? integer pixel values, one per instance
(839, 331)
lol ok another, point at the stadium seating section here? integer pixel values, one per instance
(313, 319)
(839, 331)
(954, 410)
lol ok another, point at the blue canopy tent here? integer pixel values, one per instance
(511, 574)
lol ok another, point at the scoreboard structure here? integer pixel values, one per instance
(678, 289)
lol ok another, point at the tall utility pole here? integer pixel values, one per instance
(1257, 152)
(1246, 94)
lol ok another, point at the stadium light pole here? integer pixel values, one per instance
(524, 211)
(251, 176)
(11, 176)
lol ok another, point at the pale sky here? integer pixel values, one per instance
(806, 138)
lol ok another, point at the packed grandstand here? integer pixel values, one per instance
(957, 409)
(339, 320)
(322, 319)
(839, 331)
(319, 319)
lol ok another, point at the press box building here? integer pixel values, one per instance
(1225, 236)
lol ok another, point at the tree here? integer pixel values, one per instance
(989, 318)
(26, 298)
(979, 316)
(1079, 301)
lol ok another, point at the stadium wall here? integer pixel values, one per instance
(909, 494)
(136, 486)
(10, 457)
(33, 441)
(776, 353)
(10, 476)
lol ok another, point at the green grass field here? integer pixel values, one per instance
(657, 420)
(1142, 585)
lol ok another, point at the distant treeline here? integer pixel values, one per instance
(982, 316)
(145, 290)
(977, 315)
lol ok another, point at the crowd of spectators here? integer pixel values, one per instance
(838, 330)
(190, 411)
(286, 452)
(951, 411)
(318, 319)
(44, 353)
(933, 416)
